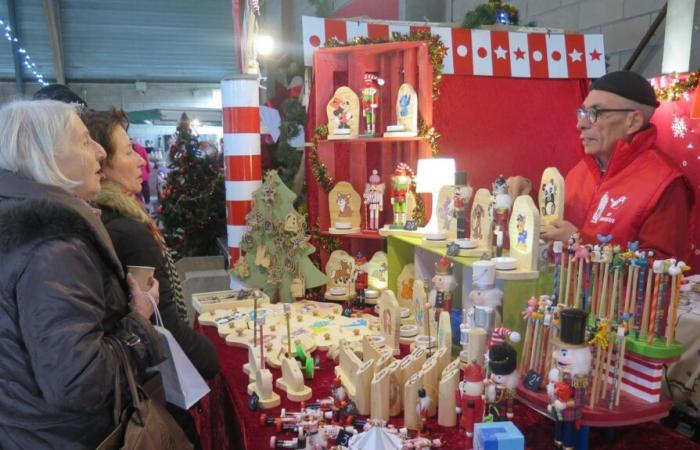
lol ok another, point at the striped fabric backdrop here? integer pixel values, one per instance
(241, 111)
(480, 52)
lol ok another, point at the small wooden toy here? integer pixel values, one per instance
(292, 381)
(486, 306)
(444, 333)
(481, 225)
(359, 278)
(344, 206)
(374, 201)
(386, 393)
(551, 196)
(400, 186)
(524, 237)
(430, 375)
(377, 272)
(447, 220)
(406, 113)
(462, 195)
(356, 377)
(262, 387)
(343, 112)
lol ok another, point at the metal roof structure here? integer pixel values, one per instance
(123, 40)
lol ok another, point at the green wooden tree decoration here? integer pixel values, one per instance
(276, 244)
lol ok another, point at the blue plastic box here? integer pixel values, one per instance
(498, 436)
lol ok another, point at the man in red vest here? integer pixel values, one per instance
(624, 186)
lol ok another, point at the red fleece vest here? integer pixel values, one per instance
(619, 200)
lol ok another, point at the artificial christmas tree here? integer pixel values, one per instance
(193, 210)
(276, 244)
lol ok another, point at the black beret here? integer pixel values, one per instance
(627, 84)
(60, 93)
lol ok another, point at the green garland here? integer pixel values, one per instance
(485, 14)
(678, 87)
(318, 169)
(430, 135)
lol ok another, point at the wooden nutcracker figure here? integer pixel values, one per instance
(568, 380)
(444, 283)
(370, 102)
(500, 210)
(400, 184)
(359, 277)
(501, 387)
(462, 194)
(470, 398)
(374, 200)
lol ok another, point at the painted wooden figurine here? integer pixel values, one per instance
(551, 196)
(501, 387)
(400, 184)
(374, 200)
(360, 278)
(568, 380)
(470, 398)
(342, 111)
(370, 102)
(444, 283)
(486, 299)
(423, 408)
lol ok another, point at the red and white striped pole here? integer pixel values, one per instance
(241, 110)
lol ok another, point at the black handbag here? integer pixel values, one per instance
(144, 424)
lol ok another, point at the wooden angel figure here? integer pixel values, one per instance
(501, 387)
(568, 379)
(470, 398)
(400, 184)
(374, 200)
(369, 101)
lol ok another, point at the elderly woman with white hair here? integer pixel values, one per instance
(62, 289)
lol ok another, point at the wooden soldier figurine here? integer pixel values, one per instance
(400, 184)
(568, 380)
(360, 278)
(444, 283)
(462, 194)
(501, 387)
(370, 102)
(470, 398)
(374, 199)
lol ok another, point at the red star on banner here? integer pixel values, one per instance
(519, 53)
(595, 55)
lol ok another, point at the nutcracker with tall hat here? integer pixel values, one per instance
(370, 102)
(470, 398)
(502, 384)
(440, 297)
(400, 183)
(359, 277)
(568, 379)
(374, 199)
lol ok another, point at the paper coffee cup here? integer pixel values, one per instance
(142, 274)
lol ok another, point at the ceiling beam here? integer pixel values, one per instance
(53, 21)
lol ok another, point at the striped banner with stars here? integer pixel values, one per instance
(479, 52)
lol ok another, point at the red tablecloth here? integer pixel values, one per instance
(224, 420)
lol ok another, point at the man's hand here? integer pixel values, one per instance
(558, 230)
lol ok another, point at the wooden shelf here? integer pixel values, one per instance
(376, 139)
(360, 235)
(631, 410)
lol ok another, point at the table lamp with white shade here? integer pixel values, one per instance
(433, 174)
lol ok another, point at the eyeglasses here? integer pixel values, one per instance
(591, 114)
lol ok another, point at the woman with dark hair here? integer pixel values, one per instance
(136, 237)
(63, 294)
